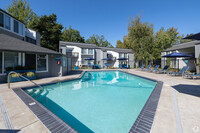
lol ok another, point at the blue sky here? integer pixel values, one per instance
(110, 17)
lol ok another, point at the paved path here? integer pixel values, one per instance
(176, 90)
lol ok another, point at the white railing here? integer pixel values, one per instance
(23, 78)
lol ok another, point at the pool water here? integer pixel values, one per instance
(100, 102)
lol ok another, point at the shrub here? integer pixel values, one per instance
(30, 74)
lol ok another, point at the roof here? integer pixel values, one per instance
(195, 36)
(118, 50)
(86, 45)
(81, 45)
(183, 45)
(11, 15)
(8, 43)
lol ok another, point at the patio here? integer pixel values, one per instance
(178, 107)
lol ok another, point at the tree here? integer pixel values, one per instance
(99, 41)
(50, 31)
(72, 35)
(120, 44)
(165, 39)
(186, 40)
(22, 11)
(140, 38)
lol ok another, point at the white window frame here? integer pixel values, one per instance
(2, 73)
(47, 62)
(92, 51)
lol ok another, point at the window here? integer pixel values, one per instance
(1, 20)
(84, 51)
(121, 55)
(126, 55)
(30, 61)
(1, 62)
(10, 59)
(21, 29)
(42, 62)
(16, 26)
(83, 61)
(28, 39)
(7, 22)
(90, 51)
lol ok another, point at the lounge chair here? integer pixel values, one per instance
(155, 69)
(192, 75)
(164, 70)
(146, 69)
(142, 67)
(181, 72)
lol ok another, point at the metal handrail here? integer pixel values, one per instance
(23, 78)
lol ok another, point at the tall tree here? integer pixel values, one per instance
(72, 35)
(120, 44)
(186, 40)
(140, 38)
(165, 39)
(99, 41)
(22, 11)
(50, 31)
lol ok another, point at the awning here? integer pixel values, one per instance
(106, 59)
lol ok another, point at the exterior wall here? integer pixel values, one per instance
(115, 55)
(76, 61)
(98, 56)
(131, 60)
(12, 34)
(197, 53)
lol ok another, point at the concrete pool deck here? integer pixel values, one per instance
(177, 111)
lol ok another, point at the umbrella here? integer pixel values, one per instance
(195, 37)
(89, 59)
(176, 55)
(122, 58)
(106, 59)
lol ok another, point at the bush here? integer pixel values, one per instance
(14, 75)
(30, 74)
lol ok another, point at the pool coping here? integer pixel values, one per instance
(142, 124)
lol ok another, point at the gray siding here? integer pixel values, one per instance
(2, 31)
(131, 60)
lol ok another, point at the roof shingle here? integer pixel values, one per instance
(8, 43)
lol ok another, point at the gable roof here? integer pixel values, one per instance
(8, 43)
(81, 45)
(183, 45)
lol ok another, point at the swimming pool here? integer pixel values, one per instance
(106, 101)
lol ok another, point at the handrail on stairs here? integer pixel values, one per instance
(23, 78)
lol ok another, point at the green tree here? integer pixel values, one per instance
(22, 11)
(140, 39)
(99, 41)
(165, 39)
(50, 31)
(72, 35)
(186, 40)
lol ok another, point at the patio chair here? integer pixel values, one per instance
(120, 67)
(107, 65)
(164, 70)
(142, 67)
(193, 75)
(146, 69)
(155, 69)
(181, 72)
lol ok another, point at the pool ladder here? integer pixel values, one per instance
(23, 78)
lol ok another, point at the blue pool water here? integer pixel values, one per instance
(100, 102)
